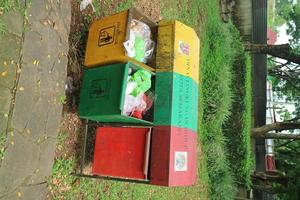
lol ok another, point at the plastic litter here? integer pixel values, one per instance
(132, 103)
(142, 78)
(139, 45)
(149, 98)
(84, 4)
(138, 99)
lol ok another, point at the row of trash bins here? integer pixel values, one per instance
(142, 76)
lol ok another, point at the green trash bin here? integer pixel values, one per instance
(102, 94)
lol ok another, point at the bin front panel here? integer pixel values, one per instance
(121, 152)
(178, 49)
(176, 101)
(105, 40)
(102, 94)
(101, 91)
(173, 156)
(106, 37)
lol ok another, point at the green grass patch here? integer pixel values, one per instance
(237, 128)
(7, 6)
(226, 100)
(217, 56)
(124, 5)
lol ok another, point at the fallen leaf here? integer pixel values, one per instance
(55, 27)
(21, 88)
(55, 181)
(4, 73)
(19, 194)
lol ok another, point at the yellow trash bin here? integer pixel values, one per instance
(106, 38)
(178, 49)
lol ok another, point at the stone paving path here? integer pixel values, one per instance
(33, 63)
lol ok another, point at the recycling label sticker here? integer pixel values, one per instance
(180, 161)
(184, 48)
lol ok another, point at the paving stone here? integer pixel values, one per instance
(26, 97)
(39, 192)
(10, 47)
(20, 161)
(35, 123)
(5, 100)
(36, 116)
(46, 160)
(15, 21)
(9, 57)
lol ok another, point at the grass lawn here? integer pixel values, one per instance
(238, 126)
(225, 83)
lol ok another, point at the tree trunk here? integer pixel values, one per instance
(283, 51)
(264, 131)
(265, 188)
(279, 177)
(276, 136)
(278, 126)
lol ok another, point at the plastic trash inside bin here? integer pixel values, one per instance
(136, 102)
(139, 45)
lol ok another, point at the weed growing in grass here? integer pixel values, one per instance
(124, 5)
(10, 5)
(2, 145)
(7, 5)
(2, 28)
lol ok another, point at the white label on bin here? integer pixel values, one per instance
(180, 161)
(184, 48)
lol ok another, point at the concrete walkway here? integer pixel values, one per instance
(33, 66)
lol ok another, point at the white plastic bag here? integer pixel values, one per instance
(132, 103)
(139, 31)
(84, 4)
